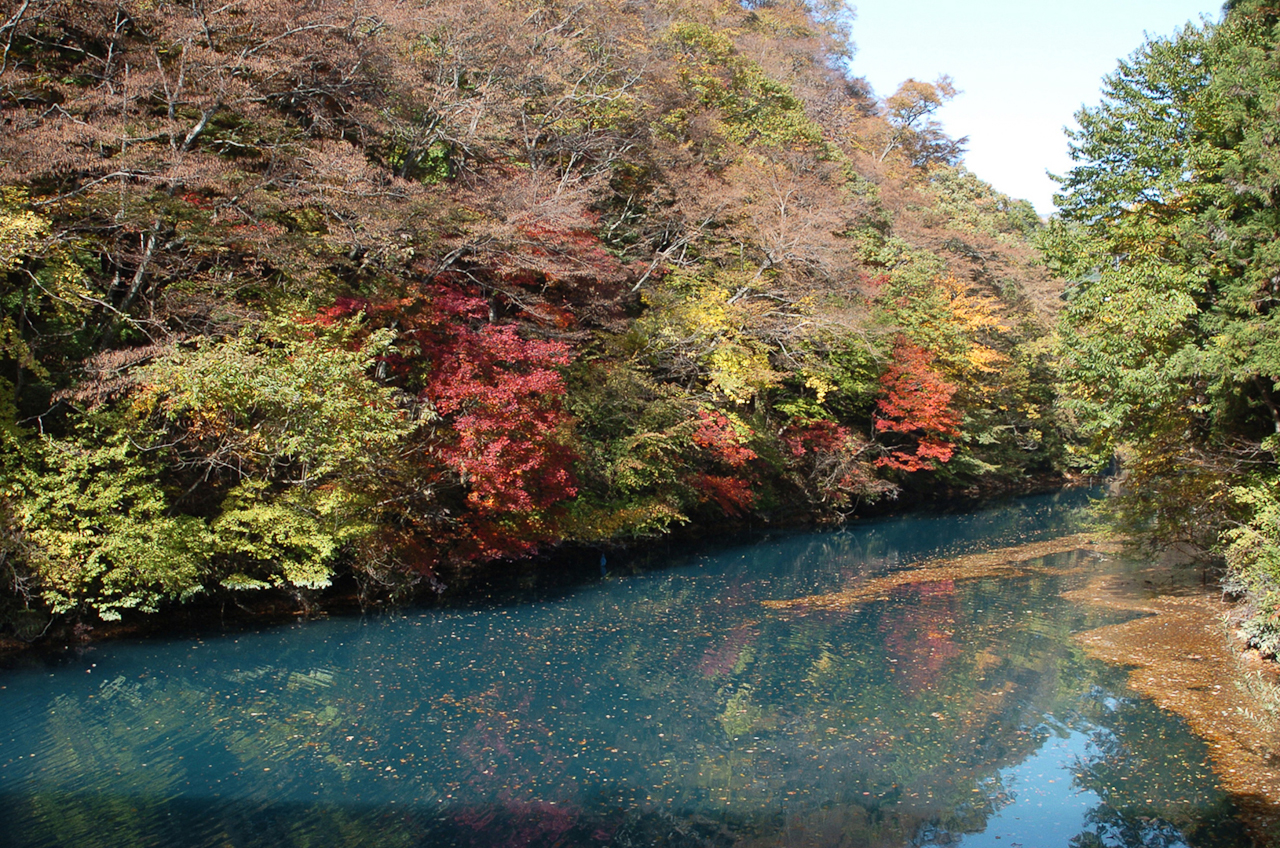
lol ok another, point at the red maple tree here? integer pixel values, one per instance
(497, 428)
(916, 403)
(722, 446)
(830, 459)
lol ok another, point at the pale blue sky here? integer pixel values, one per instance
(1025, 67)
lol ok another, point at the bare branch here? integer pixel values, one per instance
(12, 26)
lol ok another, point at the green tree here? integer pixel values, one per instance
(1133, 334)
(288, 435)
(98, 530)
(1170, 340)
(43, 296)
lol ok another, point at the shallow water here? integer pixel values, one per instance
(660, 706)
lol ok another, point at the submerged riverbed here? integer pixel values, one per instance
(682, 705)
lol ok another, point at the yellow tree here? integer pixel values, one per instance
(910, 112)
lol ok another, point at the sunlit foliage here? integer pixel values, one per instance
(393, 291)
(1168, 245)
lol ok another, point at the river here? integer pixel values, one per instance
(671, 704)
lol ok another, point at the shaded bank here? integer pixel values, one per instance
(562, 567)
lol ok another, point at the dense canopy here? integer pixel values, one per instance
(1169, 241)
(299, 291)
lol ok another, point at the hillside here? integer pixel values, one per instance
(386, 289)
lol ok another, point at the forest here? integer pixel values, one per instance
(367, 293)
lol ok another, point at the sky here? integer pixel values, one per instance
(1024, 68)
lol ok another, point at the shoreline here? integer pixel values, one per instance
(574, 563)
(1182, 657)
(1177, 647)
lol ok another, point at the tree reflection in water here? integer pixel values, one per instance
(666, 707)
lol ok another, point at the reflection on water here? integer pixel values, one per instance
(665, 707)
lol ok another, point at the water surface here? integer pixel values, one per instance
(663, 706)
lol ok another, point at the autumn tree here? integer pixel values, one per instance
(914, 130)
(387, 290)
(916, 403)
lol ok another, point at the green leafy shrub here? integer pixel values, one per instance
(99, 534)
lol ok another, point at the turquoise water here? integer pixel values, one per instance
(655, 705)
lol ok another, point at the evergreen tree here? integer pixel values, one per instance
(1171, 241)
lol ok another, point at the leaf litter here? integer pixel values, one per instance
(1004, 562)
(1184, 660)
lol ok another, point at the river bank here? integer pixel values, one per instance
(563, 565)
(1185, 658)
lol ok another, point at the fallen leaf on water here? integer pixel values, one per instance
(1011, 561)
